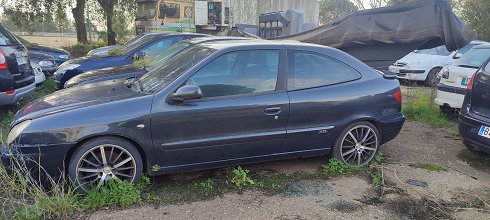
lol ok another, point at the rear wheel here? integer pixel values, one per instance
(97, 161)
(357, 144)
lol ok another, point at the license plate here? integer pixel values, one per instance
(484, 131)
(21, 57)
(394, 70)
(464, 81)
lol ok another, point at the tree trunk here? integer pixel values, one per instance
(79, 16)
(108, 7)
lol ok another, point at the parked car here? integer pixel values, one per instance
(38, 74)
(47, 63)
(105, 50)
(424, 65)
(474, 118)
(16, 75)
(217, 104)
(148, 47)
(132, 71)
(454, 79)
(60, 56)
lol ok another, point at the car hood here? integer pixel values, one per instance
(47, 48)
(425, 60)
(105, 72)
(76, 98)
(41, 56)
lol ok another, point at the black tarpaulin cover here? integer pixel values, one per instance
(419, 25)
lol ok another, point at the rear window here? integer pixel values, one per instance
(6, 38)
(474, 58)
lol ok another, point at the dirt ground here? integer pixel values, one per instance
(56, 42)
(461, 192)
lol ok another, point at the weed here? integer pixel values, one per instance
(155, 168)
(141, 63)
(425, 110)
(121, 193)
(336, 167)
(241, 178)
(205, 186)
(430, 167)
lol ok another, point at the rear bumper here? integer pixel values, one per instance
(453, 99)
(42, 161)
(391, 127)
(17, 95)
(468, 130)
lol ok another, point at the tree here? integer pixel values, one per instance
(475, 14)
(334, 9)
(108, 7)
(79, 15)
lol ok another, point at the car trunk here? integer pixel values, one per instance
(480, 96)
(18, 66)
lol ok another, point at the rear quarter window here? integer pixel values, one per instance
(6, 38)
(309, 70)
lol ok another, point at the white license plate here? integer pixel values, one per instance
(394, 70)
(484, 131)
(464, 81)
(21, 57)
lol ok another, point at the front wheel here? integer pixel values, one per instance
(98, 160)
(431, 79)
(357, 144)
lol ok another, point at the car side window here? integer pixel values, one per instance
(160, 45)
(238, 73)
(308, 70)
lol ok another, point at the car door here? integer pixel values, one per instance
(322, 91)
(242, 114)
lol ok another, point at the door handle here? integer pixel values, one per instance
(272, 111)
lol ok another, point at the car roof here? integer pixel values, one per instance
(256, 42)
(198, 40)
(482, 46)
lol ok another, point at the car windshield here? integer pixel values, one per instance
(474, 58)
(466, 48)
(160, 58)
(440, 51)
(157, 79)
(137, 43)
(146, 10)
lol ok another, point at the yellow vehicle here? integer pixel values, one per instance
(164, 15)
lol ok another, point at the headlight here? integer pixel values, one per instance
(17, 130)
(63, 68)
(45, 63)
(65, 57)
(444, 73)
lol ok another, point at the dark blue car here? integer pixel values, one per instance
(132, 71)
(46, 62)
(60, 56)
(148, 46)
(216, 104)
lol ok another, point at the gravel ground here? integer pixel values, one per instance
(461, 192)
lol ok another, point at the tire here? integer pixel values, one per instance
(347, 151)
(86, 168)
(431, 79)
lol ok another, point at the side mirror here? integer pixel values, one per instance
(457, 55)
(187, 92)
(139, 55)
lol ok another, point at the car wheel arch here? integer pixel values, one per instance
(72, 150)
(371, 120)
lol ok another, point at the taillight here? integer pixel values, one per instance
(10, 92)
(470, 83)
(3, 61)
(398, 95)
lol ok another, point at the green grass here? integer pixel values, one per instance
(431, 167)
(423, 109)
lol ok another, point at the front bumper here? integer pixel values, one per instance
(468, 130)
(409, 74)
(450, 96)
(41, 161)
(17, 95)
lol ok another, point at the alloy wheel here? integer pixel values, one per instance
(102, 163)
(359, 145)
